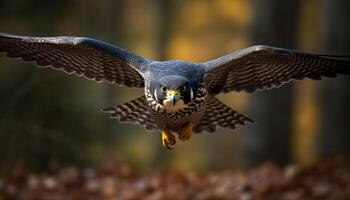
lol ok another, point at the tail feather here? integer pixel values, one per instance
(135, 112)
(217, 114)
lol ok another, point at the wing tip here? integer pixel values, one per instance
(249, 121)
(109, 110)
(10, 36)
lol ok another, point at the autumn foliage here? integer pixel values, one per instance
(327, 180)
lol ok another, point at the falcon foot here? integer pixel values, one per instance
(168, 139)
(186, 132)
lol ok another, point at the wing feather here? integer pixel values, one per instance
(81, 56)
(264, 67)
(135, 112)
(217, 114)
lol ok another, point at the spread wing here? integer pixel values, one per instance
(81, 56)
(264, 67)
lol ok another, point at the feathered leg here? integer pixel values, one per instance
(185, 133)
(168, 139)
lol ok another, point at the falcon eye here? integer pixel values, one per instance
(163, 89)
(182, 88)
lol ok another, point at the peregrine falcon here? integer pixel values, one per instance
(179, 97)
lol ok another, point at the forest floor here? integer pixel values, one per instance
(325, 180)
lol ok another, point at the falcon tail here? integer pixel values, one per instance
(217, 114)
(134, 112)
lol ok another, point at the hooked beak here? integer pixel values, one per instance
(173, 98)
(173, 95)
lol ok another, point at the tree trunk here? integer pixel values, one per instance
(335, 93)
(114, 34)
(275, 24)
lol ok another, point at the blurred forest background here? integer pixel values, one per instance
(48, 118)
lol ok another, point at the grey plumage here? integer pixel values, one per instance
(189, 71)
(250, 69)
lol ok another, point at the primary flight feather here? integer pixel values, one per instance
(179, 97)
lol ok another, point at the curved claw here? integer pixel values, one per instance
(168, 139)
(166, 144)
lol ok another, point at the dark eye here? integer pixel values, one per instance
(182, 88)
(163, 89)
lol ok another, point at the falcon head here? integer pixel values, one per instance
(172, 92)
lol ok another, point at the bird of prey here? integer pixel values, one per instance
(179, 97)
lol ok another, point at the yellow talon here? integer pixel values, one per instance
(186, 132)
(168, 139)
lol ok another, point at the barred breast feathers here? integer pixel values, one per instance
(194, 106)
